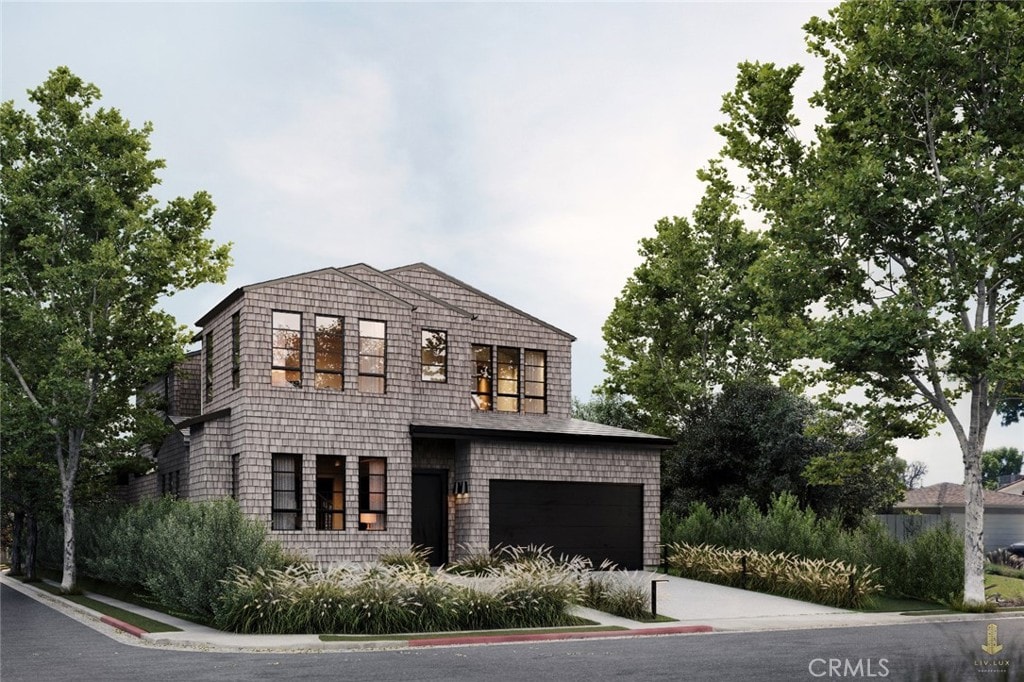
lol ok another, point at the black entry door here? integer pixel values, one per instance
(430, 513)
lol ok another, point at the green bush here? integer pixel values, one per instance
(176, 551)
(927, 566)
(1004, 570)
(936, 565)
(112, 541)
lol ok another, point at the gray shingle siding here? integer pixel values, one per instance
(257, 420)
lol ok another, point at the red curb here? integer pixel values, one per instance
(121, 625)
(555, 636)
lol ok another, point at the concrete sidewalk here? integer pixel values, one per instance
(697, 607)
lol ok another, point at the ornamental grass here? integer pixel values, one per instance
(514, 587)
(829, 582)
(395, 598)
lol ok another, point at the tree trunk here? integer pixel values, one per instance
(69, 581)
(974, 528)
(31, 541)
(974, 494)
(68, 473)
(17, 527)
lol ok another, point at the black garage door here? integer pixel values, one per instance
(595, 520)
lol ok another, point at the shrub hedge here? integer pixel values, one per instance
(928, 566)
(178, 552)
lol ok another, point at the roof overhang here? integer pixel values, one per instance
(540, 435)
(203, 418)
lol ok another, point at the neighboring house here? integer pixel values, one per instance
(1014, 488)
(355, 410)
(1004, 514)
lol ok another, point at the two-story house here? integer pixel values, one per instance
(355, 410)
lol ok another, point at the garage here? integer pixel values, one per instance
(596, 520)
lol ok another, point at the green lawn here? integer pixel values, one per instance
(1005, 587)
(141, 622)
(883, 604)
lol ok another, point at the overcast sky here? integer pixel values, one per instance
(525, 149)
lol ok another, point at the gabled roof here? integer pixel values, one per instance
(350, 272)
(546, 429)
(952, 496)
(492, 299)
(354, 268)
(241, 291)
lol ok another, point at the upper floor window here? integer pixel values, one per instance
(481, 393)
(286, 369)
(372, 352)
(236, 350)
(434, 356)
(535, 381)
(508, 380)
(286, 492)
(208, 358)
(330, 493)
(373, 493)
(329, 354)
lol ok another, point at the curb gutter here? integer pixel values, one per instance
(555, 636)
(121, 625)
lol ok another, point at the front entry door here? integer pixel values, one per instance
(430, 513)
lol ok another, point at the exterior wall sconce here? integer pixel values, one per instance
(461, 490)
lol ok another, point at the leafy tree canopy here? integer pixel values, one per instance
(689, 319)
(891, 260)
(87, 253)
(610, 410)
(756, 440)
(904, 215)
(1000, 462)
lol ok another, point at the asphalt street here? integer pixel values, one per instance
(39, 643)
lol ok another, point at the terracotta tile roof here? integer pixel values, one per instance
(952, 495)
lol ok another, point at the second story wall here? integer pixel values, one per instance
(504, 330)
(305, 344)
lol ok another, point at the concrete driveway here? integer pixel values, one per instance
(729, 608)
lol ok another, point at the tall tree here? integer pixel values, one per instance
(757, 440)
(87, 253)
(29, 488)
(857, 473)
(914, 474)
(904, 215)
(1000, 462)
(610, 410)
(687, 320)
(746, 441)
